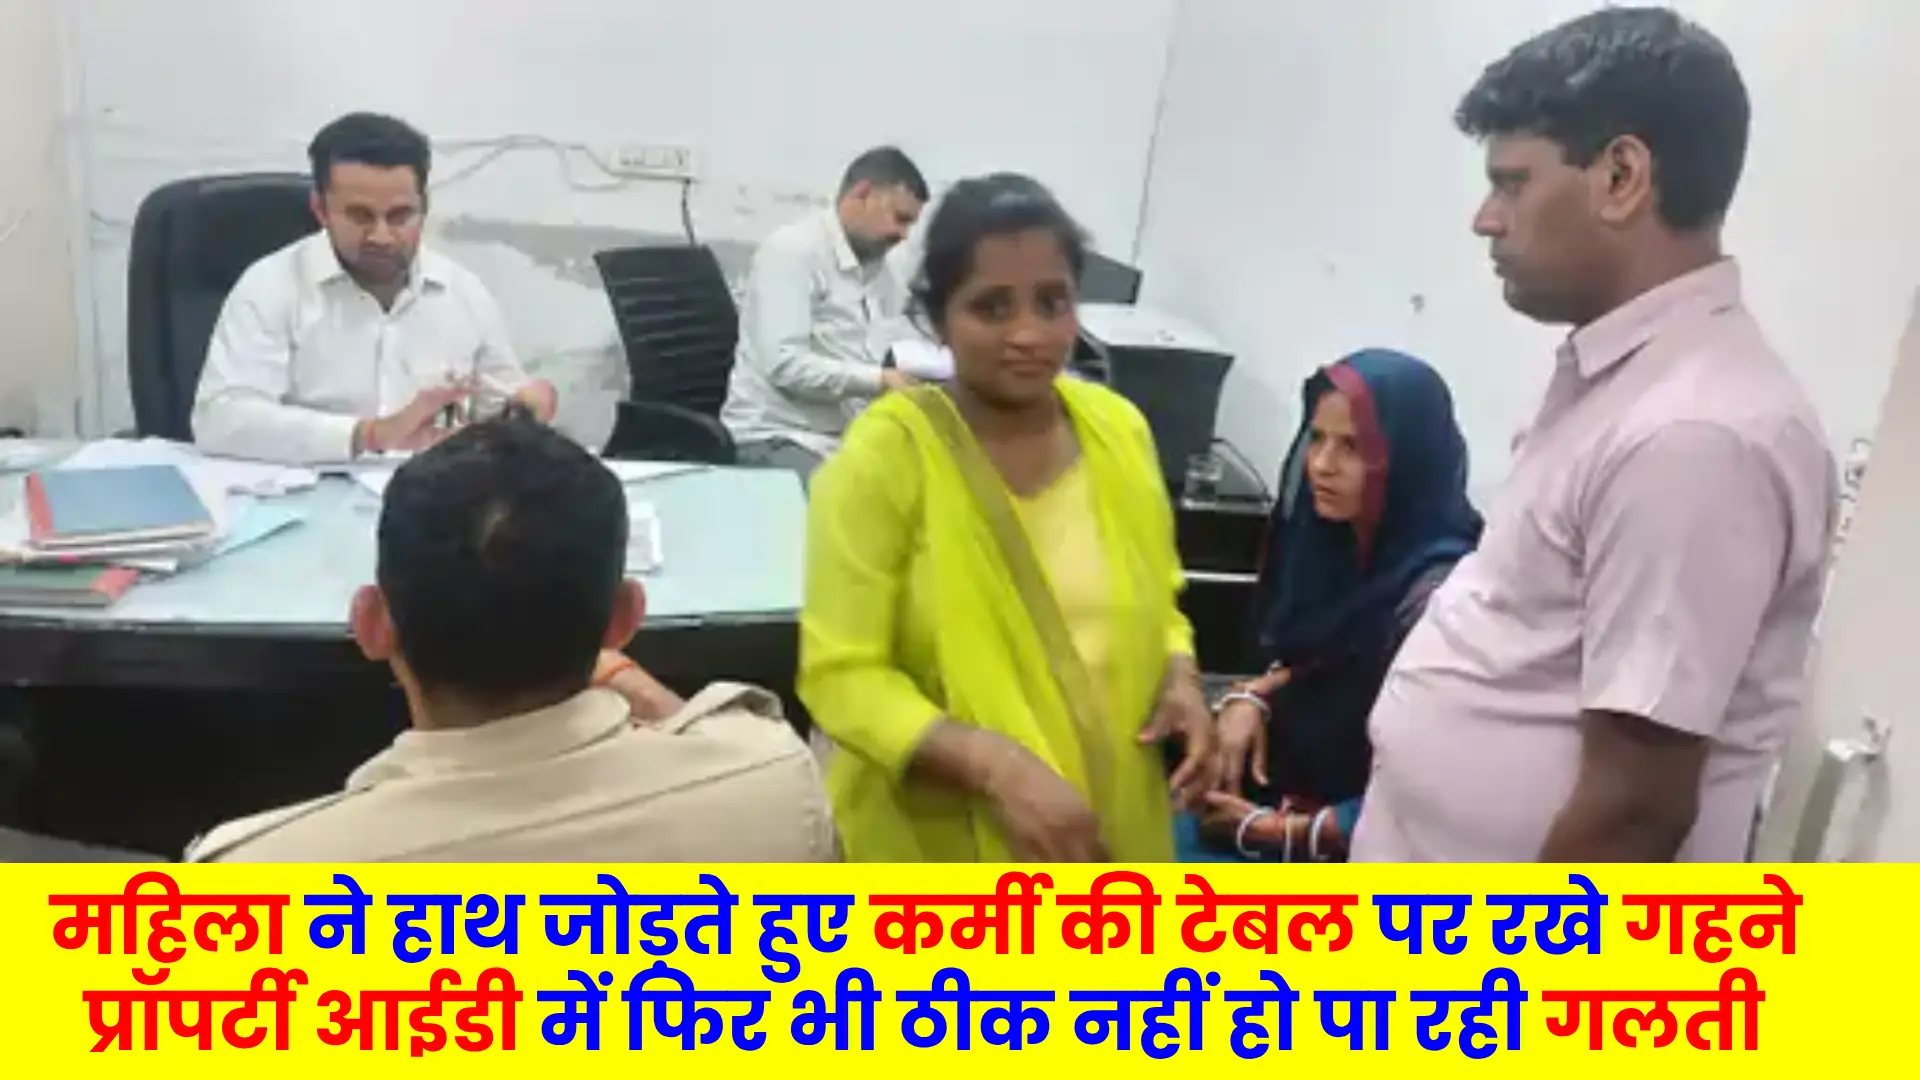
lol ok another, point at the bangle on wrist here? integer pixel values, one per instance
(1246, 695)
(1315, 829)
(1240, 834)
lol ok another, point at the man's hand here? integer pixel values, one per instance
(541, 399)
(412, 428)
(1182, 711)
(895, 380)
(1637, 794)
(646, 697)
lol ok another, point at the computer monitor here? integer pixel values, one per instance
(1106, 281)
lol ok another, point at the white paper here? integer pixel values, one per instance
(22, 455)
(229, 475)
(644, 553)
(923, 360)
(253, 522)
(373, 480)
(639, 472)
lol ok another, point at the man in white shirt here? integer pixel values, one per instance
(500, 584)
(822, 306)
(355, 340)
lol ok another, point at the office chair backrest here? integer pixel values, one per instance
(677, 321)
(657, 431)
(192, 239)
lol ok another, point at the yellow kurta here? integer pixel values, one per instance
(911, 615)
(1061, 523)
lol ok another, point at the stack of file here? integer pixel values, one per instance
(99, 515)
(82, 526)
(65, 586)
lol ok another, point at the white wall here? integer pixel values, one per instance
(38, 366)
(1310, 196)
(1860, 668)
(775, 96)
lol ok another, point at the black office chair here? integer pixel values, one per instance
(192, 239)
(655, 431)
(677, 322)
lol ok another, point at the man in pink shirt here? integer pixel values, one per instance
(1611, 675)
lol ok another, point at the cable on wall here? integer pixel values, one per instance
(1174, 19)
(14, 226)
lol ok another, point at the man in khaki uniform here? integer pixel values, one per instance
(501, 583)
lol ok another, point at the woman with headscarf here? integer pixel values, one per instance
(1373, 514)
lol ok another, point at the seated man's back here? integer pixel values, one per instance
(724, 780)
(500, 583)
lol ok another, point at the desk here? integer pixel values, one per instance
(235, 686)
(29, 847)
(273, 616)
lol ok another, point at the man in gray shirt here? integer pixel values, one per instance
(822, 306)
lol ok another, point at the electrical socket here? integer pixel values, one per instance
(652, 161)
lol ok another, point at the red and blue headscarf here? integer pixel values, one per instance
(1333, 588)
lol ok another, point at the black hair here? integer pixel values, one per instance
(369, 139)
(500, 553)
(972, 210)
(1640, 71)
(885, 167)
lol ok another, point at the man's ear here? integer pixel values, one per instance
(372, 624)
(318, 206)
(1625, 172)
(629, 611)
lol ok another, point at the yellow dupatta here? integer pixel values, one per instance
(896, 522)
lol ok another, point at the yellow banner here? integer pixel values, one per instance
(930, 971)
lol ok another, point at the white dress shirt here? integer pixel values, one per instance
(815, 326)
(302, 353)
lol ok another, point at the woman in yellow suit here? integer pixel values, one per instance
(991, 635)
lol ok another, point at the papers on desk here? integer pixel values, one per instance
(227, 475)
(644, 554)
(253, 521)
(21, 455)
(373, 479)
(225, 491)
(639, 472)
